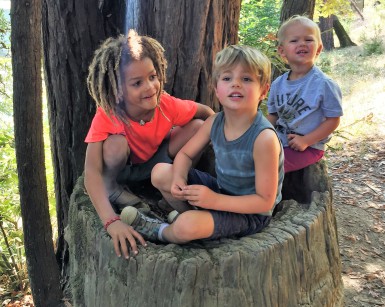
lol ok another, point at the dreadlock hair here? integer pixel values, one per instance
(104, 80)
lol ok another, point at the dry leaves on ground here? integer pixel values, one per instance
(358, 179)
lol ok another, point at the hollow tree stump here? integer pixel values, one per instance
(294, 261)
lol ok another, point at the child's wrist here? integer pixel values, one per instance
(110, 221)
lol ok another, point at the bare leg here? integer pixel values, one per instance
(161, 178)
(115, 155)
(180, 136)
(190, 225)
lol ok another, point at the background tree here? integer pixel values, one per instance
(191, 32)
(326, 27)
(27, 104)
(327, 10)
(295, 7)
(341, 33)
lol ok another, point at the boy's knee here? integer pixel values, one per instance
(190, 226)
(184, 227)
(196, 124)
(160, 174)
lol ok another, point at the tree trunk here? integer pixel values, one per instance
(72, 30)
(357, 7)
(326, 27)
(293, 262)
(191, 32)
(359, 3)
(27, 106)
(342, 35)
(295, 7)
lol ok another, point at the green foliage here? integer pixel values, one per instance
(332, 7)
(5, 30)
(258, 25)
(324, 62)
(5, 88)
(258, 19)
(374, 44)
(13, 271)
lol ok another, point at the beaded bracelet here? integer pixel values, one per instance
(114, 219)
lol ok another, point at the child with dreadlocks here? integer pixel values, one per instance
(136, 125)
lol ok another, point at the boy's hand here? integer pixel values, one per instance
(120, 234)
(297, 142)
(200, 196)
(177, 187)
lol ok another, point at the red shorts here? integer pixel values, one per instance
(295, 160)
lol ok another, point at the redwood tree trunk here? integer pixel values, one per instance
(191, 32)
(342, 35)
(72, 30)
(27, 107)
(297, 7)
(326, 26)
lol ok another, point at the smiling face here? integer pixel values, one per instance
(238, 88)
(141, 87)
(300, 45)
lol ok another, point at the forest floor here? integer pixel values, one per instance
(358, 179)
(356, 162)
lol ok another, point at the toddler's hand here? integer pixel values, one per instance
(297, 142)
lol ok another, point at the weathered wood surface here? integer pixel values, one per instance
(295, 261)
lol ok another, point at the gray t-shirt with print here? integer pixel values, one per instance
(303, 104)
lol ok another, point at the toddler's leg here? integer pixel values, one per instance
(161, 178)
(296, 160)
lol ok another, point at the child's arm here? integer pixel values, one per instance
(272, 118)
(300, 143)
(183, 160)
(203, 111)
(97, 192)
(266, 156)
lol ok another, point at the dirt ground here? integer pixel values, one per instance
(357, 172)
(358, 197)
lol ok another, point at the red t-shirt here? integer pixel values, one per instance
(144, 140)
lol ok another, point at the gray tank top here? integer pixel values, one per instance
(234, 163)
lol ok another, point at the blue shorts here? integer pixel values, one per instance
(228, 224)
(140, 172)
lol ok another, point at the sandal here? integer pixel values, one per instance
(123, 197)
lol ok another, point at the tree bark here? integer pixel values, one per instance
(27, 104)
(326, 27)
(294, 261)
(295, 7)
(72, 30)
(342, 35)
(191, 32)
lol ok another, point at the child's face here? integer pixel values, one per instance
(300, 46)
(239, 88)
(140, 86)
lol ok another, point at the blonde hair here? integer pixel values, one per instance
(298, 19)
(104, 79)
(250, 57)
